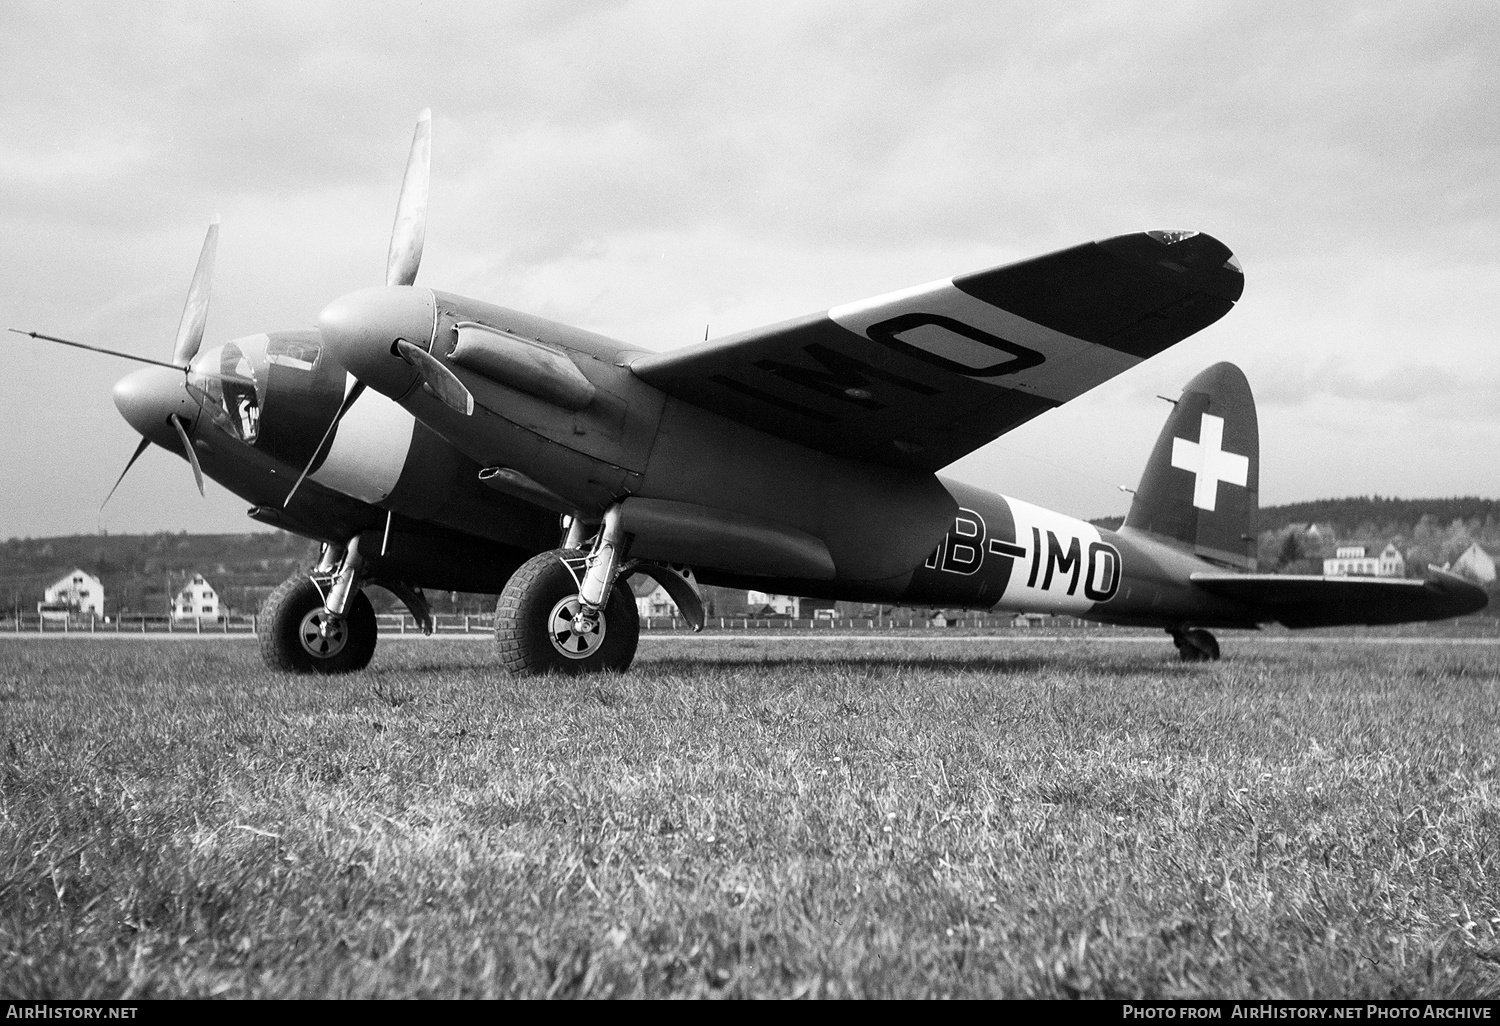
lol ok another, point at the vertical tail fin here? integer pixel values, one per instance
(1202, 483)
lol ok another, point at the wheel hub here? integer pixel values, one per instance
(573, 632)
(323, 635)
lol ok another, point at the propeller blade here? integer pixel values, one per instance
(192, 456)
(410, 229)
(439, 380)
(359, 386)
(195, 310)
(96, 349)
(145, 442)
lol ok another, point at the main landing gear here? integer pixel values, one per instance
(323, 622)
(542, 624)
(1195, 645)
(567, 612)
(299, 635)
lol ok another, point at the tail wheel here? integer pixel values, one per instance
(538, 628)
(1196, 645)
(298, 635)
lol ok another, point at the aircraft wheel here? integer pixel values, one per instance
(1196, 645)
(297, 635)
(534, 623)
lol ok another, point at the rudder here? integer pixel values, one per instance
(1201, 486)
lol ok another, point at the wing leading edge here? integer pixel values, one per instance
(1308, 601)
(920, 377)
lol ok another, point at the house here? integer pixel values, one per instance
(196, 601)
(1352, 561)
(1392, 563)
(1476, 563)
(78, 592)
(761, 603)
(651, 599)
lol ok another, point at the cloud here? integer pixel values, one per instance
(640, 168)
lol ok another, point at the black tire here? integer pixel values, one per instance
(529, 607)
(1196, 646)
(289, 640)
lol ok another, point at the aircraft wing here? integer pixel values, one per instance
(918, 378)
(1309, 601)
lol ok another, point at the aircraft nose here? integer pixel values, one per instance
(362, 328)
(147, 397)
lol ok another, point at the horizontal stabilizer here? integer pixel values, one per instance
(1310, 601)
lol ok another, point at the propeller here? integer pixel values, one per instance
(408, 235)
(410, 230)
(195, 310)
(354, 392)
(437, 379)
(189, 339)
(187, 447)
(145, 443)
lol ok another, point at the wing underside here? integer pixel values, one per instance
(1306, 601)
(918, 378)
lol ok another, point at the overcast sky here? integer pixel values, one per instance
(643, 169)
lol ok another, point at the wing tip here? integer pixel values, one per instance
(1185, 255)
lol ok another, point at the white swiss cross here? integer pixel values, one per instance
(1209, 462)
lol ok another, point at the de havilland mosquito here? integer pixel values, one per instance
(434, 441)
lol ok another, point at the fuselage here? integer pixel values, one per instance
(744, 506)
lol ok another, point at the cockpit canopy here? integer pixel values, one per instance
(229, 382)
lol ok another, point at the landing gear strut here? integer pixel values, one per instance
(1195, 645)
(320, 623)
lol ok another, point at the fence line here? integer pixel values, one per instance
(93, 624)
(469, 623)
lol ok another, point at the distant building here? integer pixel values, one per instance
(1476, 563)
(78, 592)
(197, 600)
(780, 605)
(651, 599)
(1351, 561)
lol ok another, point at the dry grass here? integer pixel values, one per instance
(752, 818)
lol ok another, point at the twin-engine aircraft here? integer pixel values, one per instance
(433, 441)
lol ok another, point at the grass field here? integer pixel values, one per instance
(753, 817)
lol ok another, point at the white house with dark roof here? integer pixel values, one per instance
(196, 601)
(79, 592)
